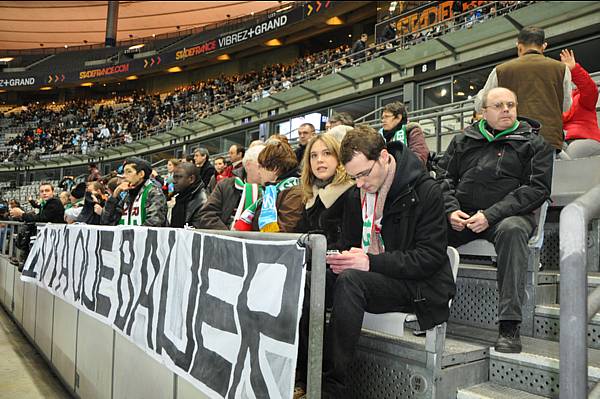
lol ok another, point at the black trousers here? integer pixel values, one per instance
(510, 237)
(349, 295)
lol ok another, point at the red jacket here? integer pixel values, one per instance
(580, 121)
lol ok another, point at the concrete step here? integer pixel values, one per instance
(547, 325)
(536, 369)
(490, 390)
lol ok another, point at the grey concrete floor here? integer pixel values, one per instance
(23, 372)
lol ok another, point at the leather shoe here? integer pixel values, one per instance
(509, 340)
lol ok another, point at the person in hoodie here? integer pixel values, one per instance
(581, 121)
(495, 175)
(395, 127)
(190, 194)
(399, 262)
(137, 201)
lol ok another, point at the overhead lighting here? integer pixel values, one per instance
(273, 43)
(224, 57)
(443, 92)
(460, 93)
(46, 88)
(2, 91)
(87, 84)
(7, 59)
(350, 35)
(136, 46)
(471, 87)
(174, 69)
(132, 77)
(334, 21)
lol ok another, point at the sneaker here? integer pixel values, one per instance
(509, 340)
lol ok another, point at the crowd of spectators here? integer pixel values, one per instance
(85, 126)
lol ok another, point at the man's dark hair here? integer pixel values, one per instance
(363, 139)
(532, 35)
(191, 170)
(342, 117)
(221, 158)
(240, 149)
(92, 166)
(140, 165)
(396, 108)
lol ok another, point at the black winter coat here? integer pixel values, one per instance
(327, 221)
(53, 211)
(188, 205)
(414, 231)
(206, 172)
(509, 176)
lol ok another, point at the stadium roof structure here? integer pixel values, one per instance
(35, 24)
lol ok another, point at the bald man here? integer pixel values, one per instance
(496, 174)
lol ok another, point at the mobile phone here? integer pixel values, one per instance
(332, 252)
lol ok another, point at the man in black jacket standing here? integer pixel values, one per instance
(190, 194)
(400, 263)
(496, 173)
(51, 209)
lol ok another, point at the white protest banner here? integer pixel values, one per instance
(221, 312)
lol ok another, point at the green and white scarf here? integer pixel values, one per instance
(251, 193)
(399, 135)
(489, 136)
(136, 215)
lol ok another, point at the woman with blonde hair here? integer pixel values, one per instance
(324, 185)
(325, 188)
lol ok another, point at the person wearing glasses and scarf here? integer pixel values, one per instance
(495, 175)
(400, 261)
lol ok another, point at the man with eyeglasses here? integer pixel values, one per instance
(495, 175)
(395, 227)
(542, 84)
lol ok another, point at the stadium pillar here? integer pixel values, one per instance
(112, 18)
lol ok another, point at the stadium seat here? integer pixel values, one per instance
(392, 323)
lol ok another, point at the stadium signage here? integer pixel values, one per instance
(15, 82)
(256, 30)
(220, 312)
(431, 16)
(206, 47)
(97, 73)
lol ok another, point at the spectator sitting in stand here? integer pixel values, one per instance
(233, 196)
(73, 209)
(94, 173)
(281, 206)
(236, 154)
(144, 204)
(495, 174)
(190, 195)
(395, 127)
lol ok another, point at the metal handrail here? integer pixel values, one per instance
(576, 306)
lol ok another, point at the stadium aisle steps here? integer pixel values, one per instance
(493, 391)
